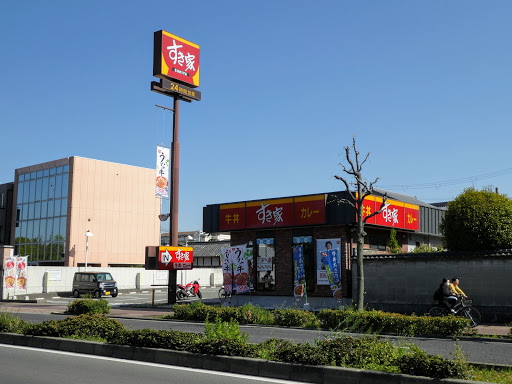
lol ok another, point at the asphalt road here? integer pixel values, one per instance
(481, 350)
(42, 366)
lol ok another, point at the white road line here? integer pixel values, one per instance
(172, 367)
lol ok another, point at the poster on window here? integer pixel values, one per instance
(236, 262)
(299, 273)
(328, 262)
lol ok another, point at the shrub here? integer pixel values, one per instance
(226, 347)
(79, 307)
(394, 323)
(152, 338)
(422, 364)
(82, 326)
(247, 314)
(11, 323)
(225, 330)
(295, 318)
(358, 352)
(196, 310)
(299, 353)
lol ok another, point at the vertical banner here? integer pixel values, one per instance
(9, 272)
(162, 171)
(21, 272)
(235, 267)
(329, 265)
(299, 273)
(15, 272)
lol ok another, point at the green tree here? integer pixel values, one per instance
(393, 246)
(478, 220)
(364, 189)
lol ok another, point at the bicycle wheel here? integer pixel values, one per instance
(437, 311)
(223, 295)
(472, 314)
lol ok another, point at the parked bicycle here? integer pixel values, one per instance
(223, 294)
(463, 307)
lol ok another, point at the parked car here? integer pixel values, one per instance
(96, 283)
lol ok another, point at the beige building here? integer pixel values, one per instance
(58, 202)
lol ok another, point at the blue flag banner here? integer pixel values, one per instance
(299, 273)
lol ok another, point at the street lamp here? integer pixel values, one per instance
(87, 235)
(164, 216)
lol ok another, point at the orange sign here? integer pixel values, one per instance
(176, 59)
(175, 257)
(395, 213)
(291, 211)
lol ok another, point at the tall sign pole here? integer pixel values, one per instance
(175, 175)
(176, 63)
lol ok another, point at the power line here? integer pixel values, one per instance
(439, 184)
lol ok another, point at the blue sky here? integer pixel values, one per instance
(424, 87)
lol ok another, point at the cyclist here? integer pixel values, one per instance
(445, 296)
(455, 289)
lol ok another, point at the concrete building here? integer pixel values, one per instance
(56, 203)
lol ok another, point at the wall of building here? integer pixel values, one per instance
(117, 203)
(60, 279)
(6, 202)
(406, 283)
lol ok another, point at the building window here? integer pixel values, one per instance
(42, 218)
(265, 265)
(378, 241)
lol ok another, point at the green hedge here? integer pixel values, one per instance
(82, 326)
(225, 339)
(392, 323)
(346, 320)
(79, 307)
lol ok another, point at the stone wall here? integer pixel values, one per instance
(405, 283)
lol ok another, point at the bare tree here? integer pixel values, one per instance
(363, 189)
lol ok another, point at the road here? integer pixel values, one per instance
(42, 366)
(481, 350)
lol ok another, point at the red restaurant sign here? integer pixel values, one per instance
(292, 211)
(175, 58)
(395, 214)
(175, 257)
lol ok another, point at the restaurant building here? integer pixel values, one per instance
(318, 227)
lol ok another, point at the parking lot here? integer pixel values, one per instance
(156, 296)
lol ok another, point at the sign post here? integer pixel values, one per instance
(176, 63)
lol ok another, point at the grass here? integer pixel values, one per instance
(491, 375)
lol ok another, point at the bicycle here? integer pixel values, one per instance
(223, 294)
(463, 307)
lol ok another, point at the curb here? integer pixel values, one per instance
(239, 365)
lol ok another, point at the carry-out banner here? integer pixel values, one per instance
(235, 267)
(299, 273)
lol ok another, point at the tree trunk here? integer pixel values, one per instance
(360, 267)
